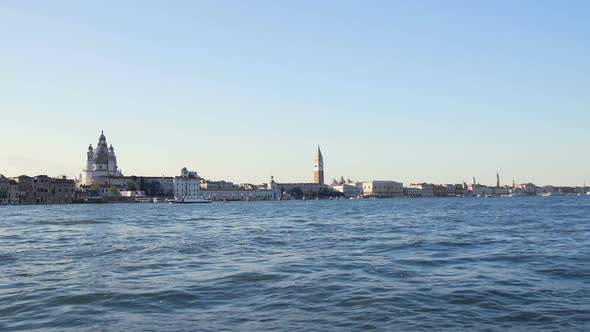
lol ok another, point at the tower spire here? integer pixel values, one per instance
(318, 167)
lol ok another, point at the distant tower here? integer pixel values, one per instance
(318, 167)
(497, 180)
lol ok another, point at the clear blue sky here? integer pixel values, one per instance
(413, 91)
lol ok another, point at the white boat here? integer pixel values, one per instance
(187, 200)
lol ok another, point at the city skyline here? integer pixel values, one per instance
(438, 93)
(318, 169)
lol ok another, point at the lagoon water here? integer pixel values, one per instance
(490, 264)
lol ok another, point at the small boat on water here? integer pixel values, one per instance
(187, 200)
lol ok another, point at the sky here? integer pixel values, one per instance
(413, 91)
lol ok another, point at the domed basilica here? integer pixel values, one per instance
(101, 164)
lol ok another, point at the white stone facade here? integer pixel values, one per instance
(383, 189)
(101, 163)
(187, 185)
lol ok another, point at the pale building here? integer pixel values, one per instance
(479, 190)
(187, 185)
(525, 189)
(349, 190)
(101, 164)
(412, 192)
(427, 188)
(383, 189)
(266, 192)
(348, 187)
(219, 185)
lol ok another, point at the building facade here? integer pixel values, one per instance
(412, 192)
(8, 191)
(349, 190)
(383, 189)
(101, 164)
(37, 190)
(267, 192)
(187, 185)
(427, 188)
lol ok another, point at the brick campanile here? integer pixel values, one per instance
(318, 167)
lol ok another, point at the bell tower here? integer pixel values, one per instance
(318, 167)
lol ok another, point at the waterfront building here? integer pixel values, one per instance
(526, 189)
(219, 185)
(347, 187)
(4, 188)
(439, 190)
(40, 190)
(501, 191)
(382, 189)
(318, 167)
(43, 187)
(451, 190)
(412, 192)
(230, 192)
(187, 185)
(349, 190)
(8, 191)
(101, 164)
(25, 189)
(461, 189)
(571, 190)
(191, 185)
(479, 190)
(427, 188)
(63, 191)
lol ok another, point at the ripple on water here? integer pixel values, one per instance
(440, 264)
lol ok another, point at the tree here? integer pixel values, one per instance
(310, 194)
(94, 189)
(295, 193)
(114, 192)
(153, 188)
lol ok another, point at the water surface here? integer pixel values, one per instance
(452, 264)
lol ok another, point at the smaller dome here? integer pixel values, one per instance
(111, 148)
(90, 147)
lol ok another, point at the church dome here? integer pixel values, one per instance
(101, 157)
(101, 153)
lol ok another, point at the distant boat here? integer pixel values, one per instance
(186, 200)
